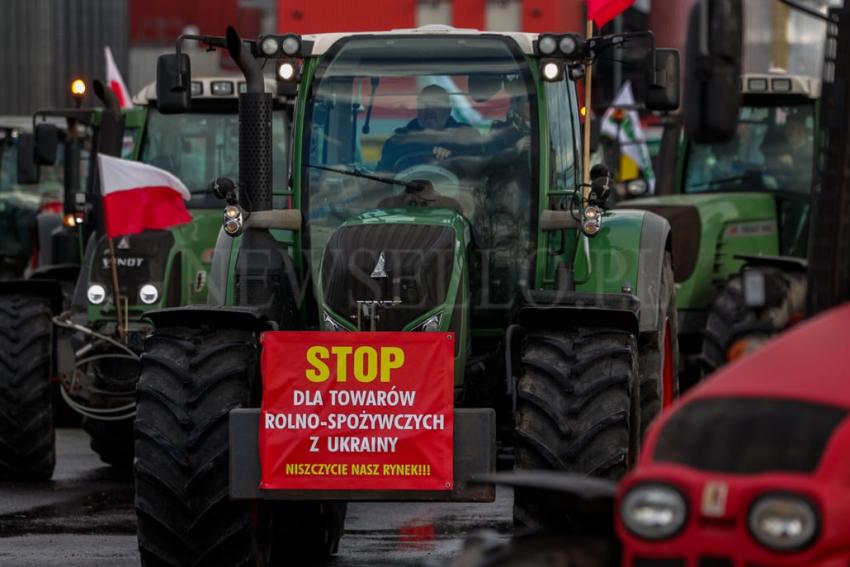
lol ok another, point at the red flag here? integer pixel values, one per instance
(139, 197)
(116, 82)
(603, 11)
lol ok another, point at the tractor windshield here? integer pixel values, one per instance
(773, 150)
(198, 147)
(387, 114)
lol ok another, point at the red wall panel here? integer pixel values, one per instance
(469, 13)
(160, 22)
(318, 16)
(553, 16)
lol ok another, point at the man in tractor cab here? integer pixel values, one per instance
(787, 152)
(432, 137)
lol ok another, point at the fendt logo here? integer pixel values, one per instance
(123, 262)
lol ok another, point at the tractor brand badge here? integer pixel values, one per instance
(754, 228)
(714, 496)
(123, 262)
(124, 243)
(379, 270)
(200, 281)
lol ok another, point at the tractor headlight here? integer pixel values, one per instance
(287, 71)
(591, 220)
(431, 324)
(232, 220)
(96, 294)
(552, 70)
(328, 323)
(654, 511)
(148, 294)
(636, 187)
(783, 522)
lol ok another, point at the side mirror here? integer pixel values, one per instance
(27, 168)
(662, 91)
(46, 142)
(173, 83)
(600, 183)
(713, 70)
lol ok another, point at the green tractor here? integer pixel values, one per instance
(563, 311)
(96, 362)
(30, 204)
(156, 269)
(741, 220)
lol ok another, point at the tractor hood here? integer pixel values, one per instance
(393, 269)
(709, 230)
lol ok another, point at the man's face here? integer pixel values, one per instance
(433, 111)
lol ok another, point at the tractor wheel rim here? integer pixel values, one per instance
(667, 371)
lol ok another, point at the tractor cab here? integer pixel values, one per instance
(422, 162)
(771, 153)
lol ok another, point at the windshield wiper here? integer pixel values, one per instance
(723, 181)
(409, 185)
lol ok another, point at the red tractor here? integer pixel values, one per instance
(750, 468)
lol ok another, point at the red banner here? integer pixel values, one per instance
(357, 411)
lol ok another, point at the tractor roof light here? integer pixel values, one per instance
(222, 88)
(547, 44)
(269, 45)
(291, 45)
(571, 46)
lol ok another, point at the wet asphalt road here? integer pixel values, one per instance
(84, 517)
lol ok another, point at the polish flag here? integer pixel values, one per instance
(139, 197)
(116, 83)
(603, 11)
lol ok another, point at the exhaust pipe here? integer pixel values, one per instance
(255, 129)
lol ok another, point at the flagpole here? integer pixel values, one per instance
(588, 81)
(118, 311)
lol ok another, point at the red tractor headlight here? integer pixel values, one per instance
(783, 522)
(654, 511)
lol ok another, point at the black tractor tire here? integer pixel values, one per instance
(731, 319)
(112, 441)
(190, 380)
(577, 409)
(659, 353)
(27, 436)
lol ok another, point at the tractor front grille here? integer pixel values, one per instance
(748, 435)
(406, 268)
(141, 259)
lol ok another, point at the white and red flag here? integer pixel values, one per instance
(139, 197)
(116, 83)
(603, 11)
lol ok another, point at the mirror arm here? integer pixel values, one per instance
(211, 41)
